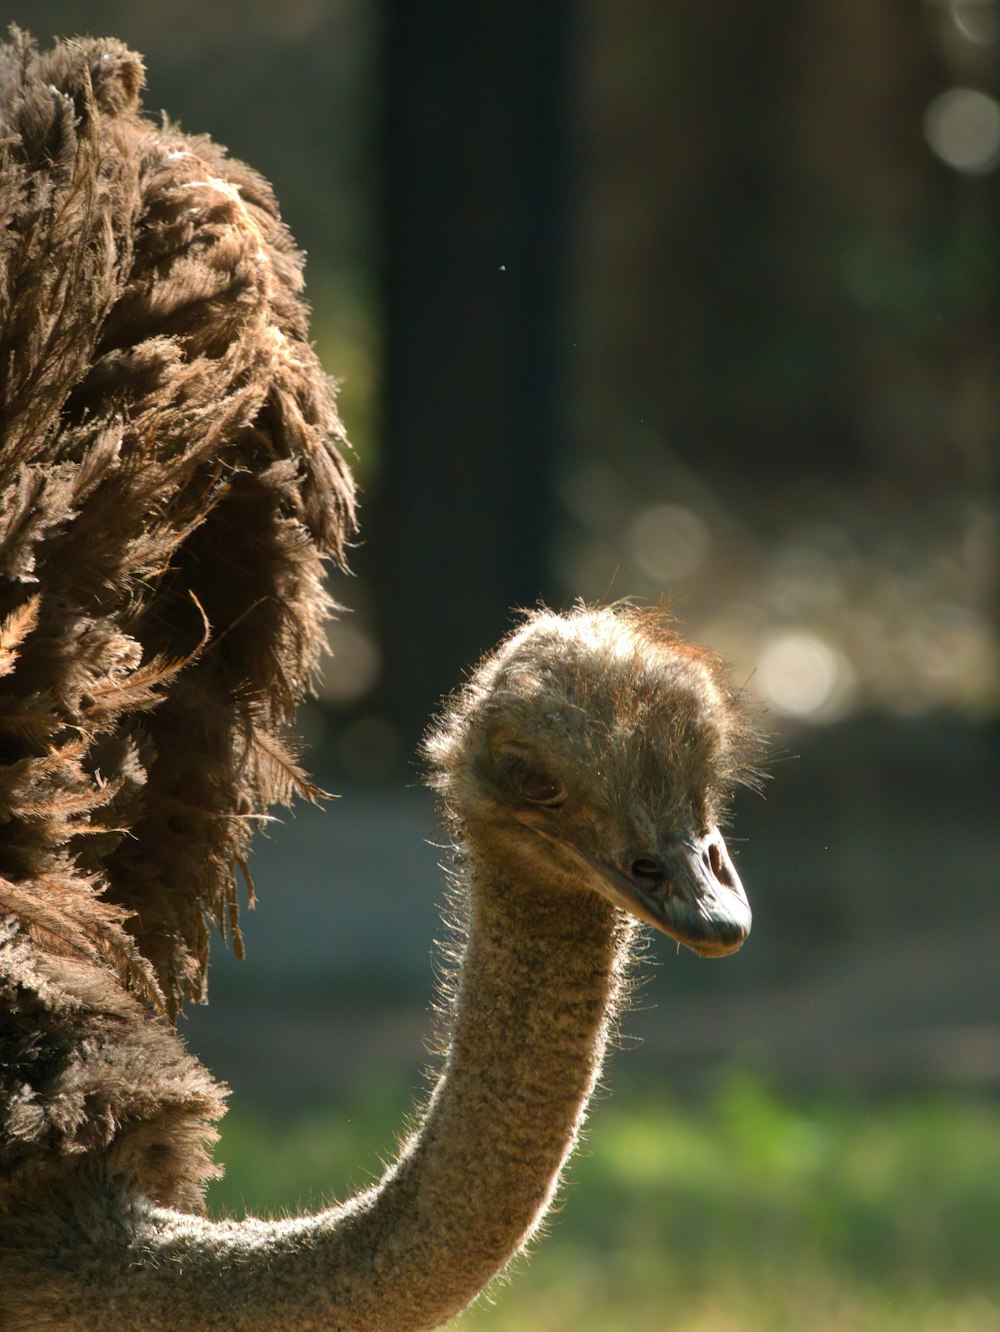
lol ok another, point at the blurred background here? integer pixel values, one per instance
(700, 302)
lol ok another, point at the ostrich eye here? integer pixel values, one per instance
(529, 779)
(536, 785)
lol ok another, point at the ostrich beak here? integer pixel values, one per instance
(688, 889)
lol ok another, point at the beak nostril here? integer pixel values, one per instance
(720, 866)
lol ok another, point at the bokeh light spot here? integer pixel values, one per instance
(355, 664)
(963, 127)
(800, 674)
(978, 21)
(668, 542)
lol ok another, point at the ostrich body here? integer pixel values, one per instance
(149, 667)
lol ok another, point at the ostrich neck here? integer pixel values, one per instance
(538, 984)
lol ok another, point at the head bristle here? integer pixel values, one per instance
(618, 683)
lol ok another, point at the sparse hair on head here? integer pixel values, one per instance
(627, 669)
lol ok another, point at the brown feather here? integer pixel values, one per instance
(171, 483)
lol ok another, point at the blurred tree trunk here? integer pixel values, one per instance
(476, 162)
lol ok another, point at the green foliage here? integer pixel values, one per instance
(750, 1212)
(288, 1162)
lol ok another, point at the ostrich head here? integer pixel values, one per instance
(599, 750)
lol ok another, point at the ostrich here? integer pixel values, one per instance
(171, 487)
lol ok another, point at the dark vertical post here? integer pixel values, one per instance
(477, 150)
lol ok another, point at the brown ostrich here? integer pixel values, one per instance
(170, 488)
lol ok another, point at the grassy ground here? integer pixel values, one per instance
(748, 1213)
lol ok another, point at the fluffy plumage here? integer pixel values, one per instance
(170, 484)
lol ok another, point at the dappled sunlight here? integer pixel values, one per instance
(856, 608)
